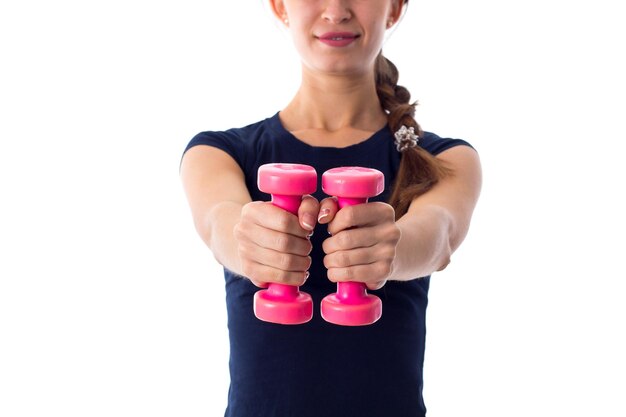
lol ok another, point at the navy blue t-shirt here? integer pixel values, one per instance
(320, 369)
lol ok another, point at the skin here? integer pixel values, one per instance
(336, 105)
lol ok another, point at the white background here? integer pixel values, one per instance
(110, 305)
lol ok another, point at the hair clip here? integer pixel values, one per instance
(405, 138)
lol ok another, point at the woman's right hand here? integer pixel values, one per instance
(273, 244)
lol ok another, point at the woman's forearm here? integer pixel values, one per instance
(425, 244)
(216, 230)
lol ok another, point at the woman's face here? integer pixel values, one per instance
(338, 36)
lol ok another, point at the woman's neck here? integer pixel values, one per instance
(328, 106)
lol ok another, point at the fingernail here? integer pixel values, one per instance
(308, 221)
(306, 275)
(324, 213)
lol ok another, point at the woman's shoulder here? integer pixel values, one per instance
(236, 141)
(243, 144)
(436, 144)
(244, 132)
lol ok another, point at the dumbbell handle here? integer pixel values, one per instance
(290, 203)
(350, 289)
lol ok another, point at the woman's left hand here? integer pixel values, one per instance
(363, 241)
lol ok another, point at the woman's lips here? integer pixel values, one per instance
(338, 39)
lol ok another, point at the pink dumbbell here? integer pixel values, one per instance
(287, 183)
(351, 305)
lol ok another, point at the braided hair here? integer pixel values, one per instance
(419, 171)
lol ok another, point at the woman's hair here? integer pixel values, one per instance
(419, 171)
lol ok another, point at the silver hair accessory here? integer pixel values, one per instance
(405, 138)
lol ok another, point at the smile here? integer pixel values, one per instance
(338, 39)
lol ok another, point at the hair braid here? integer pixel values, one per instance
(419, 171)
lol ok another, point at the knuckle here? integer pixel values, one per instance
(394, 232)
(327, 245)
(389, 254)
(382, 270)
(330, 274)
(391, 234)
(309, 203)
(289, 278)
(300, 278)
(247, 211)
(238, 231)
(390, 211)
(281, 242)
(385, 210)
(344, 259)
(285, 262)
(243, 252)
(387, 269)
(344, 239)
(347, 274)
(283, 221)
(334, 275)
(273, 277)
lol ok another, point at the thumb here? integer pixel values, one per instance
(307, 213)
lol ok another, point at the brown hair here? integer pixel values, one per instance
(419, 171)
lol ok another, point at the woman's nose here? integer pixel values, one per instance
(336, 11)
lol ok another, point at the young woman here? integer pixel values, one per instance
(348, 111)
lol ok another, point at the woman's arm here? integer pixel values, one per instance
(438, 221)
(254, 239)
(368, 245)
(216, 192)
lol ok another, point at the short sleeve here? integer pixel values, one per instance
(435, 144)
(225, 141)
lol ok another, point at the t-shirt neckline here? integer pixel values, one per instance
(367, 145)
